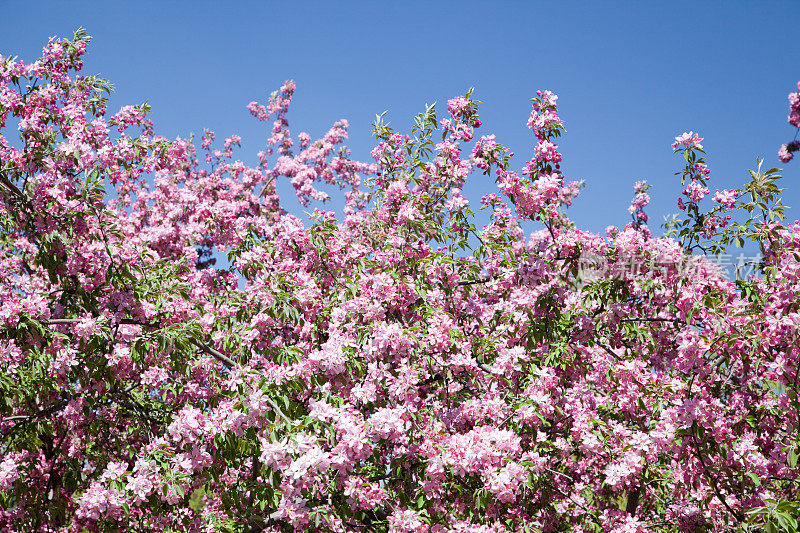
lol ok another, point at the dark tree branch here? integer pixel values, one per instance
(484, 279)
(713, 481)
(219, 356)
(633, 501)
(653, 319)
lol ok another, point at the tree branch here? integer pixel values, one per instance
(17, 417)
(633, 501)
(219, 356)
(653, 319)
(486, 368)
(713, 481)
(484, 279)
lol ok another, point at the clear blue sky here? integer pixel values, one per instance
(630, 76)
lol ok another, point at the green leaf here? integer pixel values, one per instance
(754, 478)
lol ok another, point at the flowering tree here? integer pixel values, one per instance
(401, 369)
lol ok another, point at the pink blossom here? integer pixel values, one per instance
(547, 151)
(406, 521)
(687, 141)
(726, 197)
(696, 191)
(9, 470)
(786, 153)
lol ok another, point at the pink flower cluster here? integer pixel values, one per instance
(696, 191)
(487, 151)
(639, 202)
(463, 109)
(726, 198)
(687, 141)
(130, 115)
(794, 107)
(540, 189)
(786, 152)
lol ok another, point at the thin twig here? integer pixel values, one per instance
(713, 481)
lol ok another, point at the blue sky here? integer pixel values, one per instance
(630, 76)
